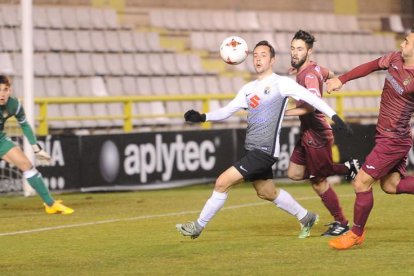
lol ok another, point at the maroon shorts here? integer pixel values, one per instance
(387, 156)
(318, 160)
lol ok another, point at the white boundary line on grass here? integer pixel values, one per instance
(37, 230)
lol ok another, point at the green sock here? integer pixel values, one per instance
(39, 186)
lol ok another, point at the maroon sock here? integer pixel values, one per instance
(406, 185)
(363, 205)
(340, 169)
(331, 202)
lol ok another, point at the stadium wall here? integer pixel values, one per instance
(165, 159)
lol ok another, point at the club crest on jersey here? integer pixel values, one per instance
(407, 81)
(267, 90)
(5, 113)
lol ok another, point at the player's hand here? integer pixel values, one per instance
(194, 116)
(41, 156)
(340, 127)
(333, 84)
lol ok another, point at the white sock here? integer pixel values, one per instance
(287, 203)
(212, 206)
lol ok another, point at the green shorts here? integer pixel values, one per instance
(6, 144)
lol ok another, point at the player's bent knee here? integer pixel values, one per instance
(389, 189)
(295, 176)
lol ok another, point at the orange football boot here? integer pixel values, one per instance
(347, 240)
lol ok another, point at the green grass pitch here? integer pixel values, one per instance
(133, 233)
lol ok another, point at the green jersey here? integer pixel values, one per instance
(13, 107)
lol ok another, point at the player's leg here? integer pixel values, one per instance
(297, 166)
(216, 201)
(363, 205)
(297, 172)
(16, 156)
(398, 182)
(330, 200)
(320, 165)
(266, 190)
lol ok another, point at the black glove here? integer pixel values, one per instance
(341, 127)
(194, 116)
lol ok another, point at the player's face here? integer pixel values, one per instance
(5, 92)
(262, 60)
(299, 53)
(407, 47)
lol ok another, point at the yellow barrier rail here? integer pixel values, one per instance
(43, 117)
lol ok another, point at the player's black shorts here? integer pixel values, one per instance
(256, 165)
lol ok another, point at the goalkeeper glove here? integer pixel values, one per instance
(41, 156)
(341, 127)
(194, 116)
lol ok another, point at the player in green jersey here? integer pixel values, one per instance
(9, 107)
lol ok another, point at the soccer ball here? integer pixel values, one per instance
(234, 50)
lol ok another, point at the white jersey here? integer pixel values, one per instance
(265, 101)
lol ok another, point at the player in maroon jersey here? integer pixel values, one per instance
(312, 155)
(393, 139)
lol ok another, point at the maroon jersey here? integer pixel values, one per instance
(397, 99)
(314, 128)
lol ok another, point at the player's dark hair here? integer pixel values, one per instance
(5, 80)
(305, 36)
(266, 43)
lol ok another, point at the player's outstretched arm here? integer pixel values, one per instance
(333, 84)
(193, 116)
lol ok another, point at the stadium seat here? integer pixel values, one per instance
(169, 64)
(8, 40)
(197, 40)
(40, 41)
(140, 42)
(173, 107)
(98, 41)
(128, 87)
(84, 41)
(10, 15)
(182, 19)
(52, 88)
(54, 64)
(110, 18)
(142, 64)
(83, 17)
(196, 65)
(396, 23)
(40, 17)
(69, 18)
(40, 69)
(84, 64)
(156, 18)
(183, 64)
(69, 65)
(112, 41)
(186, 87)
(54, 40)
(128, 64)
(69, 41)
(17, 63)
(99, 64)
(155, 64)
(114, 86)
(54, 17)
(113, 62)
(153, 40)
(126, 41)
(194, 21)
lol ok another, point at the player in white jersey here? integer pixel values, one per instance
(265, 100)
